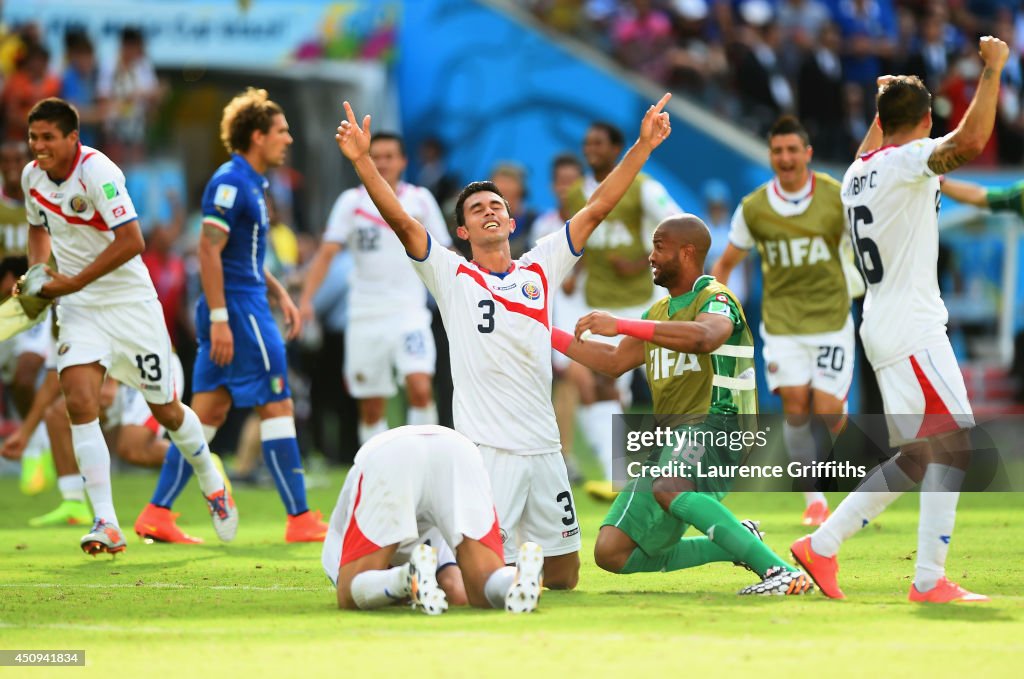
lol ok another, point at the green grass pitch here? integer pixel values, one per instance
(260, 608)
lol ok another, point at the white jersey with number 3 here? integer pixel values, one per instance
(891, 198)
(499, 329)
(81, 213)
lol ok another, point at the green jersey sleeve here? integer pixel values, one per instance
(1007, 198)
(723, 305)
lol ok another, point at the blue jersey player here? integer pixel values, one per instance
(241, 355)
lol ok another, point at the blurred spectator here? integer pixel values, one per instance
(510, 178)
(869, 34)
(30, 82)
(167, 269)
(282, 245)
(822, 102)
(641, 37)
(698, 63)
(718, 217)
(433, 173)
(765, 93)
(931, 57)
(79, 84)
(800, 25)
(128, 91)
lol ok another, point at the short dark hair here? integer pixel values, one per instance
(131, 35)
(249, 111)
(789, 125)
(389, 136)
(57, 111)
(469, 190)
(565, 160)
(76, 39)
(902, 103)
(615, 135)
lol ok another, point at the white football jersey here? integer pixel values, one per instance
(382, 282)
(499, 330)
(81, 214)
(892, 203)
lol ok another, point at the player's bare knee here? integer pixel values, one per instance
(169, 415)
(371, 410)
(82, 406)
(419, 392)
(607, 558)
(282, 408)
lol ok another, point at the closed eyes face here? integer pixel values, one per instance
(487, 217)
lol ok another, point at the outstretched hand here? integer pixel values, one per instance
(655, 127)
(353, 140)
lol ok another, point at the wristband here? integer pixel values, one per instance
(640, 329)
(560, 340)
(219, 315)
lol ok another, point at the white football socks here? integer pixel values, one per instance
(71, 487)
(425, 415)
(94, 464)
(373, 589)
(368, 431)
(498, 584)
(939, 497)
(803, 449)
(855, 511)
(191, 442)
(37, 443)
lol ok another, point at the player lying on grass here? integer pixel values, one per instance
(891, 192)
(497, 316)
(700, 325)
(411, 493)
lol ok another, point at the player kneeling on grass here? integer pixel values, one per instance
(412, 492)
(700, 325)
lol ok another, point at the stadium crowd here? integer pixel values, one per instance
(753, 60)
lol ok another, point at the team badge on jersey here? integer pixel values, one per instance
(225, 196)
(277, 384)
(109, 190)
(531, 291)
(78, 204)
(63, 349)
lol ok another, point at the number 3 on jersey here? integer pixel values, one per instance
(867, 251)
(486, 324)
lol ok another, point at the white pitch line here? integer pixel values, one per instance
(161, 585)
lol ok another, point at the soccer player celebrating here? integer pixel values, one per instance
(700, 326)
(241, 356)
(497, 314)
(110, 318)
(414, 494)
(389, 322)
(891, 193)
(796, 222)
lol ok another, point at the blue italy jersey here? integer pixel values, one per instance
(234, 203)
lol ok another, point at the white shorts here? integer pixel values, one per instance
(35, 340)
(534, 501)
(824, 361)
(924, 395)
(405, 482)
(375, 350)
(130, 409)
(129, 340)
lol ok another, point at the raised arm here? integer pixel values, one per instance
(970, 136)
(354, 143)
(967, 193)
(654, 129)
